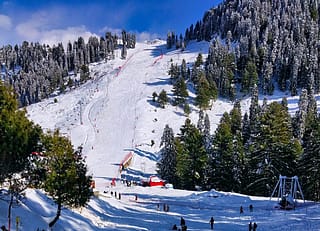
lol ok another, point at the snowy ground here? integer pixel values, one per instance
(112, 115)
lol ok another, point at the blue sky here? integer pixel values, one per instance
(63, 20)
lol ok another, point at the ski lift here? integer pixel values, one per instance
(289, 191)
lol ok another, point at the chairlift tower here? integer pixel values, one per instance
(288, 190)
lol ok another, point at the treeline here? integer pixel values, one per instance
(267, 43)
(31, 158)
(36, 70)
(248, 151)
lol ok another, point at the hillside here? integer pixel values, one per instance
(278, 38)
(114, 114)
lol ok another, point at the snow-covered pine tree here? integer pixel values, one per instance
(168, 156)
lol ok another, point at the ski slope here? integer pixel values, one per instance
(113, 114)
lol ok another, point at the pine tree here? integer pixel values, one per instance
(194, 157)
(183, 69)
(202, 92)
(275, 152)
(199, 60)
(239, 158)
(163, 98)
(249, 78)
(309, 164)
(222, 156)
(19, 138)
(180, 92)
(66, 180)
(168, 156)
(301, 114)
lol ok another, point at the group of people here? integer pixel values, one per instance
(182, 224)
(253, 227)
(250, 209)
(118, 196)
(184, 227)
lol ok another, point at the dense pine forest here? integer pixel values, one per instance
(36, 71)
(255, 47)
(246, 154)
(268, 43)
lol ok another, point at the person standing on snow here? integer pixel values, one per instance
(182, 222)
(241, 209)
(255, 226)
(211, 222)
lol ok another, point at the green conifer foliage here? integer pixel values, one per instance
(18, 135)
(66, 180)
(309, 164)
(276, 150)
(192, 158)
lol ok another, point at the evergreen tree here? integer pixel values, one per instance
(168, 156)
(206, 133)
(174, 72)
(163, 98)
(199, 60)
(19, 137)
(66, 180)
(183, 69)
(222, 156)
(309, 164)
(249, 78)
(194, 158)
(254, 112)
(180, 92)
(203, 92)
(200, 124)
(301, 114)
(239, 158)
(275, 152)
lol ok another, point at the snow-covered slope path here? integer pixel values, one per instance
(109, 114)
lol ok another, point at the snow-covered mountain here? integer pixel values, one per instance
(113, 114)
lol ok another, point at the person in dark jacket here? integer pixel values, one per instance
(211, 222)
(255, 226)
(182, 222)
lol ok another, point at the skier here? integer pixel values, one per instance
(255, 226)
(250, 226)
(241, 209)
(251, 208)
(174, 227)
(211, 222)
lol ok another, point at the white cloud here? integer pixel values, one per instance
(145, 36)
(38, 29)
(5, 22)
(64, 35)
(31, 29)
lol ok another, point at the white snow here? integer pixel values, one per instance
(112, 115)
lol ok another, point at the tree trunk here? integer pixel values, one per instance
(9, 211)
(56, 217)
